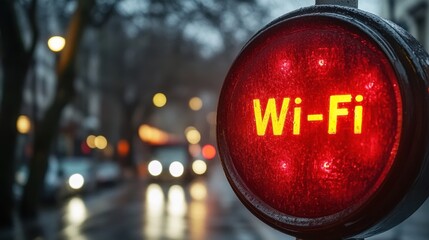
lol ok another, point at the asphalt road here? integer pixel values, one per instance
(203, 209)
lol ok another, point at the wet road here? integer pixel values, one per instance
(203, 209)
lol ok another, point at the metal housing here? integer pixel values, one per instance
(407, 185)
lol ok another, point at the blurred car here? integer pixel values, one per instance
(107, 172)
(169, 162)
(64, 177)
(78, 175)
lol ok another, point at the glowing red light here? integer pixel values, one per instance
(208, 151)
(123, 148)
(310, 118)
(85, 148)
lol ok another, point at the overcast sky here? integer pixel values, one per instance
(280, 7)
(212, 41)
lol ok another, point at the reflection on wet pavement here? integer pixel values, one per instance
(202, 209)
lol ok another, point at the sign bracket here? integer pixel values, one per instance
(347, 3)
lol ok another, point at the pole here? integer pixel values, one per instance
(335, 239)
(347, 3)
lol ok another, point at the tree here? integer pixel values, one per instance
(17, 58)
(157, 54)
(16, 61)
(48, 125)
(87, 12)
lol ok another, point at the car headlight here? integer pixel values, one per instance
(155, 168)
(76, 181)
(176, 169)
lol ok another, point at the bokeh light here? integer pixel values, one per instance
(90, 141)
(76, 181)
(189, 129)
(56, 43)
(159, 100)
(193, 136)
(195, 103)
(123, 148)
(176, 201)
(208, 151)
(152, 135)
(199, 167)
(154, 212)
(100, 142)
(23, 124)
(198, 191)
(155, 168)
(177, 208)
(75, 214)
(176, 169)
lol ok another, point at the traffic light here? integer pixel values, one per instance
(322, 124)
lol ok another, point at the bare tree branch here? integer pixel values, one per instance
(46, 131)
(104, 15)
(73, 35)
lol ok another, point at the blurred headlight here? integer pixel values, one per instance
(21, 178)
(176, 169)
(155, 168)
(76, 181)
(199, 167)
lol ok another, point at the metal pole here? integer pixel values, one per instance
(336, 239)
(347, 3)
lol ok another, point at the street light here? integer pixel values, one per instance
(56, 43)
(199, 167)
(100, 142)
(123, 147)
(90, 141)
(152, 135)
(195, 103)
(193, 136)
(159, 100)
(23, 124)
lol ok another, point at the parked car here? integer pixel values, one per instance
(78, 175)
(107, 172)
(64, 177)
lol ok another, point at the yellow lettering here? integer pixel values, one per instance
(334, 111)
(315, 117)
(358, 116)
(263, 116)
(270, 112)
(297, 117)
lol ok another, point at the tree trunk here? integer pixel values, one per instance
(15, 61)
(48, 126)
(129, 132)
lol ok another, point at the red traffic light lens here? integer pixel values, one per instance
(310, 118)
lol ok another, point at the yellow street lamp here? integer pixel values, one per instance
(23, 124)
(159, 100)
(90, 141)
(195, 103)
(100, 142)
(193, 136)
(56, 43)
